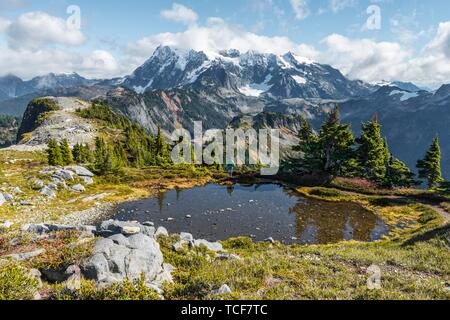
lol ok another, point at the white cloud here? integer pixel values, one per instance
(365, 59)
(338, 5)
(34, 30)
(218, 35)
(30, 63)
(300, 8)
(4, 24)
(180, 13)
(371, 61)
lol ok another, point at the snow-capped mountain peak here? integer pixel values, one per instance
(251, 73)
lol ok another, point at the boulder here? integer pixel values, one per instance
(186, 237)
(49, 193)
(78, 188)
(212, 246)
(80, 171)
(161, 231)
(87, 180)
(64, 175)
(223, 290)
(179, 246)
(227, 256)
(112, 227)
(116, 259)
(130, 230)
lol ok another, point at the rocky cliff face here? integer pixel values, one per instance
(54, 118)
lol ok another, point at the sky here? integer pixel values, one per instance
(370, 40)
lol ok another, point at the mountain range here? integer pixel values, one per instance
(222, 88)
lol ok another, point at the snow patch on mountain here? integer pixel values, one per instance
(300, 80)
(404, 94)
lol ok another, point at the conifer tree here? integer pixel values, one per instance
(430, 166)
(66, 153)
(54, 155)
(336, 141)
(372, 156)
(398, 175)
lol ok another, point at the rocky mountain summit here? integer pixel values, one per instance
(54, 118)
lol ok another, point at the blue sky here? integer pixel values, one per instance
(412, 43)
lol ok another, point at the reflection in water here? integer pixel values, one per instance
(261, 211)
(328, 222)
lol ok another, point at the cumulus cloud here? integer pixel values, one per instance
(34, 30)
(219, 35)
(4, 24)
(364, 59)
(338, 5)
(372, 61)
(300, 8)
(180, 13)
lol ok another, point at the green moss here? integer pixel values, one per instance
(16, 283)
(128, 290)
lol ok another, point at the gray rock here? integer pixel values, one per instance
(148, 224)
(115, 226)
(80, 171)
(179, 246)
(78, 188)
(36, 228)
(113, 262)
(227, 256)
(161, 231)
(6, 224)
(64, 175)
(87, 180)
(16, 190)
(37, 184)
(59, 227)
(223, 290)
(130, 230)
(2, 199)
(48, 192)
(212, 246)
(148, 231)
(26, 203)
(26, 255)
(8, 197)
(120, 239)
(53, 186)
(186, 237)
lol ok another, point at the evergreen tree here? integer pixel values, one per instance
(398, 175)
(371, 152)
(336, 145)
(54, 155)
(77, 153)
(430, 166)
(66, 153)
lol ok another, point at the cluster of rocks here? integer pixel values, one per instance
(123, 250)
(8, 196)
(61, 177)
